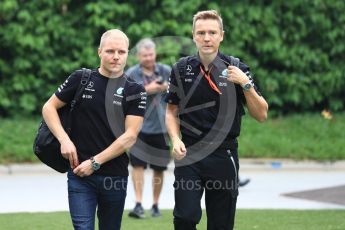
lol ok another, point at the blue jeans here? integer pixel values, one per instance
(86, 193)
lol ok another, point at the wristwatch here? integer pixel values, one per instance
(95, 165)
(247, 86)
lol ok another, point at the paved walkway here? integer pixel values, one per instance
(36, 188)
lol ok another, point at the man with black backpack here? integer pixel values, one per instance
(105, 123)
(206, 96)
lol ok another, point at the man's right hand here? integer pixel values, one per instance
(69, 152)
(179, 149)
(155, 87)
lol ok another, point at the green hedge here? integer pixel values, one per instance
(295, 48)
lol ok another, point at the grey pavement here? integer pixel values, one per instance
(37, 188)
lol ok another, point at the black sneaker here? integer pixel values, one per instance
(137, 212)
(155, 211)
(243, 182)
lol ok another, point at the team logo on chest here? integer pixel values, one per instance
(119, 92)
(189, 70)
(118, 95)
(88, 91)
(89, 86)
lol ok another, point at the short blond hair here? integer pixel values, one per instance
(115, 33)
(208, 14)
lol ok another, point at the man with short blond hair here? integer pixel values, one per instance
(97, 178)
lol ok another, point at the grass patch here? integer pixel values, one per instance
(307, 136)
(245, 220)
(16, 138)
(303, 136)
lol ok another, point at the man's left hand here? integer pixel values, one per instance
(84, 169)
(237, 76)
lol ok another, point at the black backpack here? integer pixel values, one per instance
(46, 147)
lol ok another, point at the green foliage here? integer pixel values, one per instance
(294, 48)
(245, 219)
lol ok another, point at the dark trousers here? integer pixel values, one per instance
(217, 175)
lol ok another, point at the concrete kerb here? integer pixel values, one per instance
(25, 168)
(246, 164)
(249, 164)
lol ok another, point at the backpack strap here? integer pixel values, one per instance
(230, 60)
(179, 69)
(85, 77)
(234, 61)
(181, 66)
